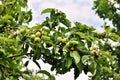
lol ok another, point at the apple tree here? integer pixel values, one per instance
(14, 39)
(59, 42)
(109, 10)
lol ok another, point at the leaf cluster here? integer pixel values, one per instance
(57, 41)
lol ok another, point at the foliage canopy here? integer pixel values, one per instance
(56, 42)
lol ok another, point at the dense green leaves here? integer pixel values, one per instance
(56, 42)
(108, 10)
(108, 55)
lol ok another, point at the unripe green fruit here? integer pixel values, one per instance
(7, 79)
(38, 34)
(37, 39)
(45, 33)
(59, 38)
(62, 39)
(32, 36)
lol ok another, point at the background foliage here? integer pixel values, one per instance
(57, 42)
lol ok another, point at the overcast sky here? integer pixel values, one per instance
(76, 10)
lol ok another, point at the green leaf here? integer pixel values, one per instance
(37, 54)
(81, 46)
(66, 22)
(45, 38)
(18, 7)
(97, 74)
(107, 28)
(107, 54)
(75, 55)
(78, 25)
(85, 58)
(80, 34)
(10, 50)
(2, 51)
(68, 62)
(49, 44)
(81, 26)
(92, 67)
(106, 69)
(73, 42)
(80, 67)
(56, 49)
(6, 17)
(36, 27)
(115, 37)
(48, 10)
(0, 75)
